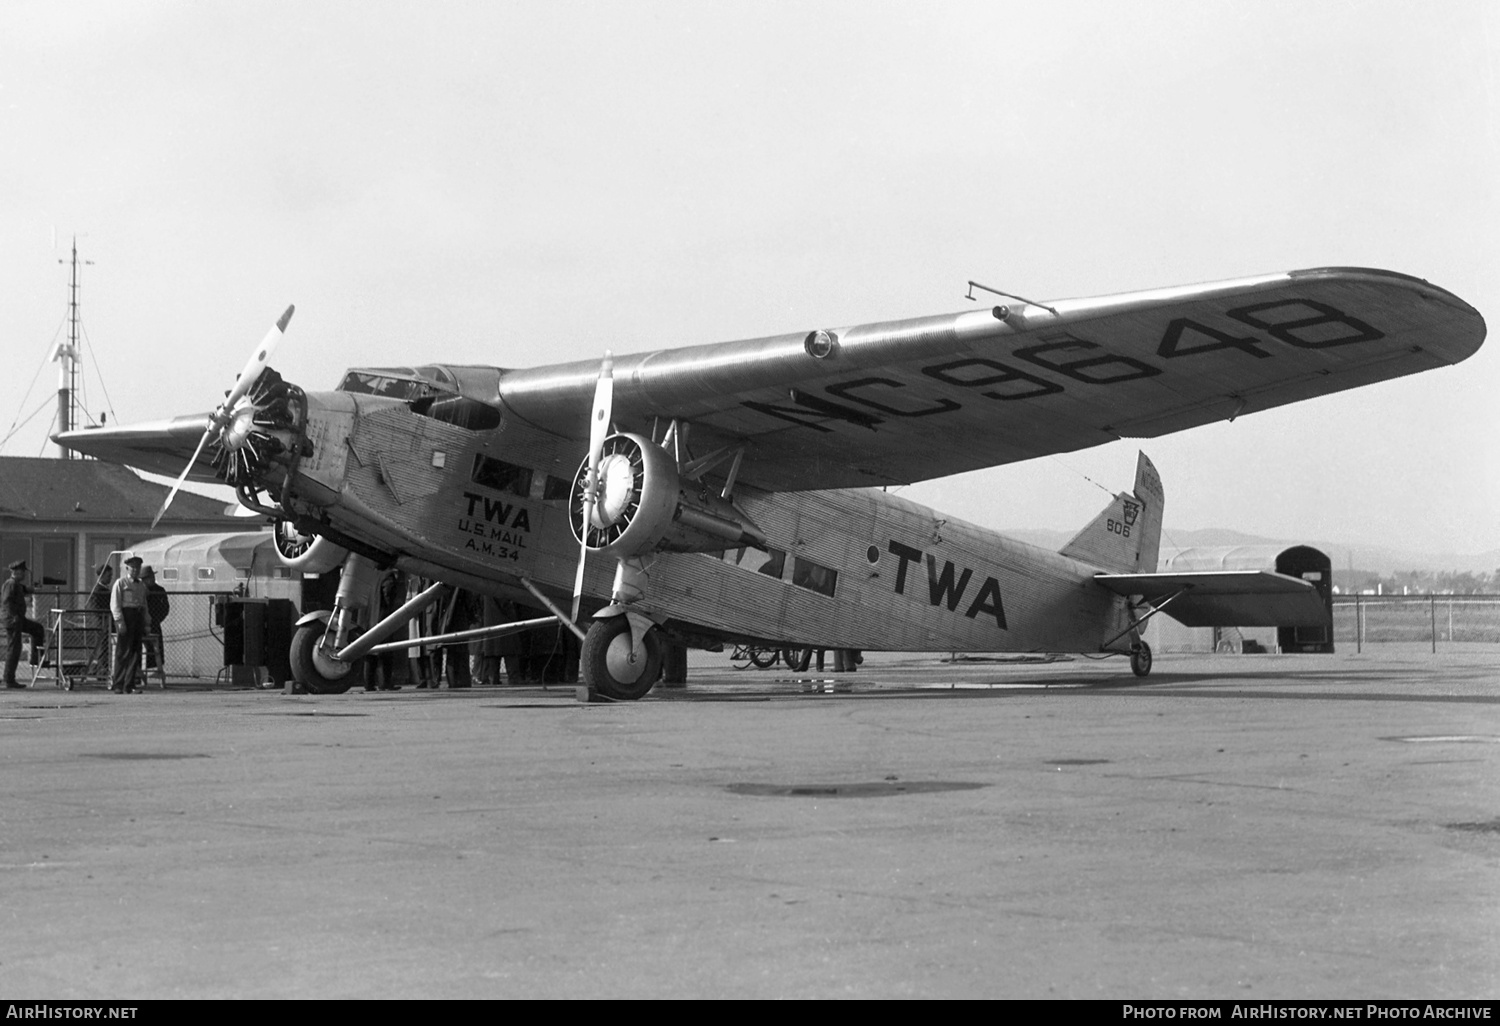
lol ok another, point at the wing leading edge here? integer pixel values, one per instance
(904, 401)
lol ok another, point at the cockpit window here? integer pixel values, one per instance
(366, 383)
(459, 411)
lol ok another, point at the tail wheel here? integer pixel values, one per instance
(313, 669)
(1140, 660)
(797, 659)
(611, 667)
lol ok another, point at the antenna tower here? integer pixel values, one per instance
(67, 359)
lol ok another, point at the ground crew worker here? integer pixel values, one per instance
(13, 598)
(132, 614)
(160, 607)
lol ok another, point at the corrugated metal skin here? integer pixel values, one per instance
(1048, 602)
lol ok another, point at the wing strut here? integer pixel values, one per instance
(1135, 625)
(552, 608)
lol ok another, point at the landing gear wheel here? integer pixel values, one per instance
(763, 658)
(609, 665)
(313, 669)
(1140, 660)
(797, 659)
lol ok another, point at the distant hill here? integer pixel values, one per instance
(1344, 556)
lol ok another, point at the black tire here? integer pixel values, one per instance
(763, 658)
(1140, 660)
(606, 663)
(305, 669)
(797, 659)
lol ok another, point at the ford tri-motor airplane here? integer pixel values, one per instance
(733, 491)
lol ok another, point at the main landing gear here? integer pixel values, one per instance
(311, 665)
(1140, 659)
(614, 665)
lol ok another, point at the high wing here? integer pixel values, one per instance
(1226, 598)
(905, 401)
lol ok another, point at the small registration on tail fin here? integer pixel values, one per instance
(1126, 536)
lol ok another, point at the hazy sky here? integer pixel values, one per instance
(521, 183)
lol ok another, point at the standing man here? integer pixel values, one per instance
(159, 606)
(13, 598)
(128, 605)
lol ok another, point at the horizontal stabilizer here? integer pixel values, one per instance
(1226, 598)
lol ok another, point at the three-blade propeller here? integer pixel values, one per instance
(221, 417)
(604, 393)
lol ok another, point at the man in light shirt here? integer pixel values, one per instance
(132, 612)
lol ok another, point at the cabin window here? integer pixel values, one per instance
(241, 574)
(281, 573)
(814, 576)
(773, 565)
(557, 489)
(169, 573)
(502, 476)
(205, 573)
(734, 557)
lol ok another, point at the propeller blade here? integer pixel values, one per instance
(604, 397)
(183, 476)
(257, 363)
(242, 385)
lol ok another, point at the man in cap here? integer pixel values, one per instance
(13, 598)
(128, 604)
(159, 606)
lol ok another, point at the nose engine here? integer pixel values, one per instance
(643, 505)
(259, 431)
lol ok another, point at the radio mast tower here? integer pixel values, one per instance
(66, 356)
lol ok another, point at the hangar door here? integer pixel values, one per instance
(1316, 568)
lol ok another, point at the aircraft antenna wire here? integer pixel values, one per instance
(88, 344)
(14, 426)
(1090, 480)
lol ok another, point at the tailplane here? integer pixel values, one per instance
(1126, 536)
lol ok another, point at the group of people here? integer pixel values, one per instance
(137, 606)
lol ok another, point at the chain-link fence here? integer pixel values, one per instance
(192, 637)
(1432, 620)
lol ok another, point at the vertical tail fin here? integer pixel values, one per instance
(1126, 536)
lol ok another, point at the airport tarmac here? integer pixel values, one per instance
(1250, 827)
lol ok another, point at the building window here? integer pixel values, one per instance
(56, 558)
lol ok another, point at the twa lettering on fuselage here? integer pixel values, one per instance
(947, 587)
(497, 528)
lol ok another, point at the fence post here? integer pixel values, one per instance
(1432, 606)
(1359, 625)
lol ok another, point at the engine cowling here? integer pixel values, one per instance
(307, 553)
(643, 506)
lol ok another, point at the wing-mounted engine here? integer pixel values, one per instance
(644, 505)
(307, 553)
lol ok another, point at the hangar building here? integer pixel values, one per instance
(1301, 561)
